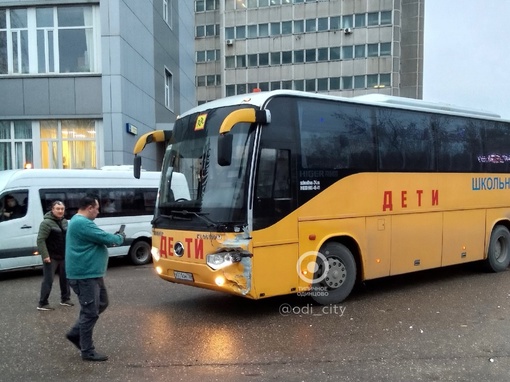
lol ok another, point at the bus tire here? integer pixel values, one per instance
(498, 255)
(334, 286)
(140, 252)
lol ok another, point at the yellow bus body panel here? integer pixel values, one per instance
(396, 223)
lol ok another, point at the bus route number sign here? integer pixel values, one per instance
(200, 123)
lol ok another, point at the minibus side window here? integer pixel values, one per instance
(13, 205)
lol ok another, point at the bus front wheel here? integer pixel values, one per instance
(140, 252)
(335, 275)
(498, 256)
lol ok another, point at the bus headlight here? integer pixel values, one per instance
(155, 254)
(221, 260)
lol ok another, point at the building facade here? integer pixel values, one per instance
(342, 47)
(80, 81)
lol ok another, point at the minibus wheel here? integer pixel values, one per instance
(498, 255)
(140, 252)
(334, 281)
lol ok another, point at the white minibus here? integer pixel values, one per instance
(123, 200)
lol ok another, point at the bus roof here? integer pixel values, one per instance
(259, 99)
(58, 177)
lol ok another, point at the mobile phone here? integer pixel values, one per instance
(121, 229)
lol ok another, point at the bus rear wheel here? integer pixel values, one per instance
(140, 252)
(335, 275)
(498, 255)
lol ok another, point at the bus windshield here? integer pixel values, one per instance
(217, 195)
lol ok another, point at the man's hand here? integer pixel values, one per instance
(46, 260)
(121, 234)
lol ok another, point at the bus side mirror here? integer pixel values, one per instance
(137, 166)
(225, 149)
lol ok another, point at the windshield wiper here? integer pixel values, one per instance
(202, 216)
(172, 217)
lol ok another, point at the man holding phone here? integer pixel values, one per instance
(86, 263)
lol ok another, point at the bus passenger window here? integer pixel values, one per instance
(282, 176)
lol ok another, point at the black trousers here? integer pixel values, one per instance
(49, 270)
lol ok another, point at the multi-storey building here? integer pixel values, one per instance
(343, 47)
(81, 80)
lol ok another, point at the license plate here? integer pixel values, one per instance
(186, 276)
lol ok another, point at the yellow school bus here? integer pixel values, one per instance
(294, 192)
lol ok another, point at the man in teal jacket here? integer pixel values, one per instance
(86, 263)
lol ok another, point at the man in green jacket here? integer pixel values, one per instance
(51, 244)
(86, 263)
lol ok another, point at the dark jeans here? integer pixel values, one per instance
(93, 300)
(49, 270)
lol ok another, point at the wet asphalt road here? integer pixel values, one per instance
(444, 325)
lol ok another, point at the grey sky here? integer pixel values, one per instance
(467, 54)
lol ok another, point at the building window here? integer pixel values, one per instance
(286, 27)
(347, 21)
(68, 144)
(311, 25)
(385, 49)
(263, 30)
(322, 84)
(276, 58)
(17, 35)
(299, 26)
(384, 79)
(169, 90)
(373, 18)
(230, 90)
(373, 80)
(372, 50)
(359, 51)
(211, 80)
(334, 83)
(359, 82)
(241, 32)
(322, 24)
(16, 146)
(334, 53)
(347, 52)
(263, 59)
(59, 144)
(322, 54)
(275, 29)
(165, 10)
(230, 33)
(346, 83)
(386, 18)
(49, 40)
(252, 60)
(200, 31)
(310, 55)
(287, 84)
(206, 5)
(299, 56)
(287, 57)
(241, 61)
(360, 20)
(252, 31)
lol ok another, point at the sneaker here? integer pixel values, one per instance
(45, 307)
(67, 303)
(93, 356)
(74, 340)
